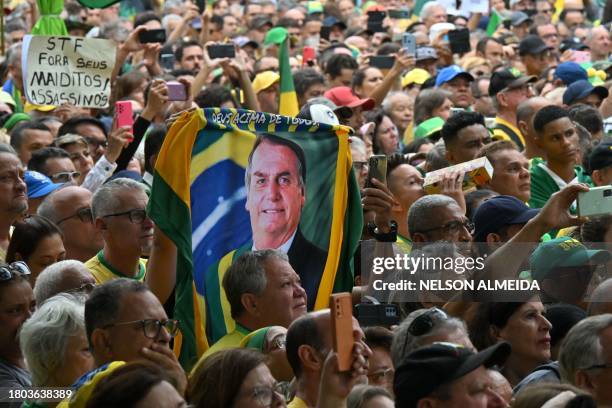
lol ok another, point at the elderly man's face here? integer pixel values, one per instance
(602, 378)
(511, 174)
(449, 225)
(275, 195)
(13, 198)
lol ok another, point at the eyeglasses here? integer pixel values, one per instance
(137, 216)
(65, 176)
(8, 272)
(386, 375)
(152, 327)
(84, 288)
(97, 143)
(360, 165)
(264, 396)
(84, 214)
(453, 227)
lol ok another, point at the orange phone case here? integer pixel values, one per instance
(342, 328)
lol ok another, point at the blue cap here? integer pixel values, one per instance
(581, 89)
(39, 185)
(498, 212)
(570, 72)
(450, 73)
(129, 174)
(330, 21)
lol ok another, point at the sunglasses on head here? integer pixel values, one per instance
(8, 272)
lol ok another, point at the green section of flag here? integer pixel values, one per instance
(494, 21)
(288, 98)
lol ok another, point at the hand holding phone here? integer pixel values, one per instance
(221, 51)
(377, 169)
(596, 201)
(308, 56)
(177, 91)
(342, 329)
(459, 41)
(123, 114)
(409, 43)
(152, 36)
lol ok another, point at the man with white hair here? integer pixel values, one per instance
(65, 276)
(432, 13)
(119, 211)
(599, 43)
(585, 358)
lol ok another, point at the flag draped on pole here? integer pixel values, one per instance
(198, 200)
(50, 22)
(288, 98)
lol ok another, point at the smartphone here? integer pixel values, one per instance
(177, 91)
(196, 23)
(382, 61)
(376, 27)
(409, 43)
(324, 33)
(454, 111)
(399, 14)
(167, 61)
(152, 36)
(378, 169)
(308, 55)
(376, 16)
(384, 314)
(342, 328)
(221, 51)
(581, 56)
(596, 201)
(123, 115)
(459, 41)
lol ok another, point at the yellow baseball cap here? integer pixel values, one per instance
(416, 76)
(29, 107)
(264, 80)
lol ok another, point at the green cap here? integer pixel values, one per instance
(315, 7)
(429, 127)
(563, 252)
(276, 36)
(15, 119)
(256, 339)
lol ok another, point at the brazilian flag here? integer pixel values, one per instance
(288, 98)
(198, 200)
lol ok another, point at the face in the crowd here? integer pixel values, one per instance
(48, 251)
(268, 64)
(347, 8)
(275, 196)
(483, 103)
(574, 19)
(16, 306)
(73, 209)
(95, 138)
(591, 99)
(380, 370)
(501, 387)
(521, 30)
(528, 332)
(60, 169)
(162, 395)
(33, 139)
(568, 284)
(544, 9)
(559, 140)
(472, 390)
(498, 5)
(437, 14)
(468, 142)
(536, 64)
(512, 98)
(429, 65)
(494, 53)
(450, 226)
(78, 360)
(443, 111)
(220, 8)
(511, 174)
(344, 79)
(360, 165)
(126, 233)
(313, 91)
(597, 382)
(461, 92)
(258, 378)
(356, 121)
(193, 58)
(548, 33)
(283, 300)
(602, 177)
(81, 158)
(599, 41)
(311, 29)
(406, 184)
(124, 342)
(387, 138)
(269, 98)
(401, 110)
(77, 279)
(230, 26)
(251, 11)
(13, 199)
(372, 79)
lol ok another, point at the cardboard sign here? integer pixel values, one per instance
(477, 172)
(68, 70)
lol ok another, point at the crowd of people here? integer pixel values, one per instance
(87, 280)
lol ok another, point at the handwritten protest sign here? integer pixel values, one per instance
(72, 70)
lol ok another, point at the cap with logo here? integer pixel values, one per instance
(508, 79)
(427, 368)
(570, 72)
(451, 72)
(344, 96)
(580, 90)
(563, 252)
(499, 212)
(532, 45)
(264, 80)
(38, 184)
(601, 155)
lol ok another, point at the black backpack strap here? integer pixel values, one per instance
(511, 133)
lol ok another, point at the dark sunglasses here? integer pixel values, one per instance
(8, 272)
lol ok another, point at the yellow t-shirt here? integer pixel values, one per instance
(230, 340)
(297, 403)
(500, 134)
(102, 271)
